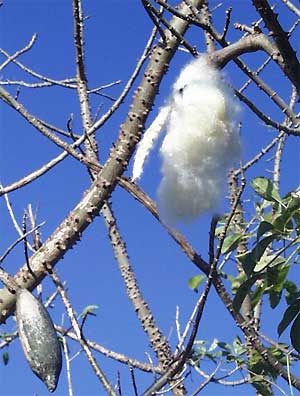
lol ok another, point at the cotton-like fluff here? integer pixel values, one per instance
(201, 143)
(148, 141)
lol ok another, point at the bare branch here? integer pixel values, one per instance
(291, 65)
(99, 373)
(20, 52)
(144, 314)
(63, 83)
(68, 367)
(292, 7)
(111, 354)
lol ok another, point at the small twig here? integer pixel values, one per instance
(17, 93)
(119, 388)
(266, 119)
(177, 323)
(20, 239)
(212, 232)
(64, 83)
(191, 320)
(149, 9)
(227, 23)
(104, 95)
(58, 130)
(34, 175)
(8, 339)
(36, 236)
(128, 361)
(112, 84)
(70, 125)
(181, 359)
(182, 41)
(37, 85)
(220, 380)
(244, 28)
(292, 7)
(7, 98)
(99, 373)
(128, 85)
(279, 346)
(174, 384)
(281, 143)
(207, 380)
(291, 63)
(24, 226)
(133, 381)
(258, 156)
(68, 368)
(20, 52)
(13, 218)
(263, 378)
(258, 71)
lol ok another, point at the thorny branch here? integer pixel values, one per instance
(107, 176)
(291, 64)
(144, 314)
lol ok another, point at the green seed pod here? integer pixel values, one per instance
(38, 338)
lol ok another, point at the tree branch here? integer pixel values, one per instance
(291, 65)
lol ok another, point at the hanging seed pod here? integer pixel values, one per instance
(38, 338)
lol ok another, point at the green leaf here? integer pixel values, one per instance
(280, 277)
(288, 316)
(264, 227)
(238, 347)
(295, 333)
(250, 259)
(274, 298)
(293, 203)
(231, 242)
(268, 216)
(296, 217)
(226, 347)
(257, 295)
(5, 357)
(196, 281)
(291, 291)
(265, 188)
(236, 281)
(242, 292)
(270, 260)
(219, 230)
(213, 345)
(283, 221)
(261, 386)
(261, 367)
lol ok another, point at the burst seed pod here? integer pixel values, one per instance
(38, 338)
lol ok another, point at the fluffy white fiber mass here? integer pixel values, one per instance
(201, 143)
(148, 141)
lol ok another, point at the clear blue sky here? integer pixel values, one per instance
(116, 33)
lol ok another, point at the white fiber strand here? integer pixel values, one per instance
(148, 141)
(201, 143)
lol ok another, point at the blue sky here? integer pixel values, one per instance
(116, 33)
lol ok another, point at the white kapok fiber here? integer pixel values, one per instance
(148, 141)
(201, 143)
